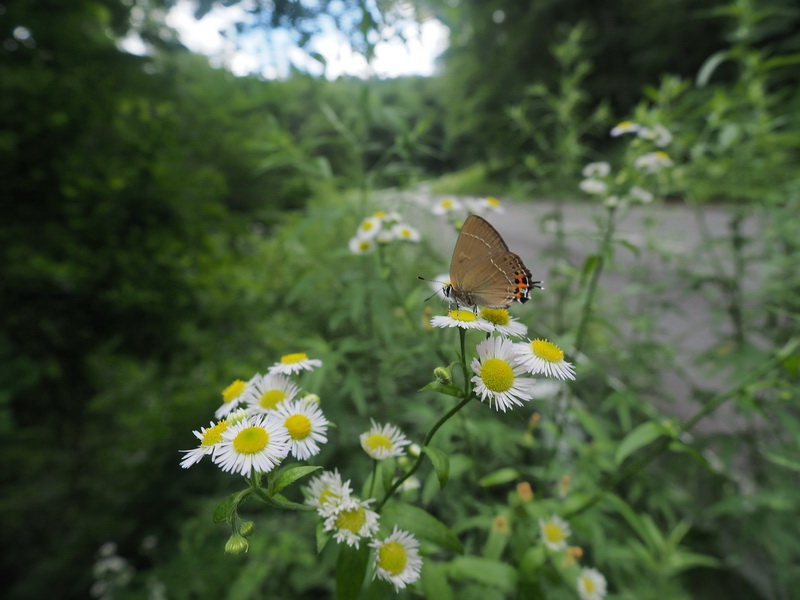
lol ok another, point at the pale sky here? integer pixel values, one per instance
(272, 57)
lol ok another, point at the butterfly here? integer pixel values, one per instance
(483, 271)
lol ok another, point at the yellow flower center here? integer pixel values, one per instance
(588, 584)
(463, 315)
(447, 203)
(498, 316)
(351, 520)
(367, 225)
(213, 435)
(233, 391)
(271, 398)
(497, 374)
(377, 441)
(379, 214)
(364, 245)
(299, 426)
(660, 155)
(251, 440)
(547, 351)
(625, 124)
(392, 557)
(553, 533)
(492, 201)
(294, 358)
(327, 495)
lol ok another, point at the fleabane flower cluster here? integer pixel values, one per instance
(351, 521)
(262, 421)
(381, 228)
(457, 210)
(629, 185)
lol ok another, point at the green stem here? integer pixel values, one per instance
(663, 442)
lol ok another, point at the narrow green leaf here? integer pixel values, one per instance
(291, 475)
(351, 566)
(421, 524)
(441, 464)
(434, 581)
(494, 573)
(499, 477)
(282, 502)
(708, 68)
(589, 265)
(444, 388)
(638, 438)
(783, 461)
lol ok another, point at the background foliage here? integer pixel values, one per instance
(162, 229)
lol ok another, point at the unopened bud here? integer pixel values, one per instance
(236, 544)
(443, 375)
(246, 528)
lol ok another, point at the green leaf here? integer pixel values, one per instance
(783, 461)
(282, 502)
(421, 524)
(434, 581)
(499, 477)
(494, 573)
(444, 388)
(441, 464)
(351, 566)
(708, 68)
(589, 265)
(291, 475)
(226, 509)
(638, 438)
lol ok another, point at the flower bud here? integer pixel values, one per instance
(236, 544)
(246, 528)
(443, 375)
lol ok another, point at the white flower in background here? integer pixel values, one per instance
(385, 236)
(652, 162)
(591, 584)
(232, 397)
(611, 201)
(401, 231)
(594, 186)
(658, 134)
(555, 532)
(641, 194)
(397, 558)
(446, 205)
(369, 228)
(361, 246)
(625, 127)
(596, 169)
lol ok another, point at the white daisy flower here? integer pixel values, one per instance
(209, 438)
(404, 232)
(611, 201)
(543, 357)
(294, 363)
(369, 228)
(386, 236)
(658, 134)
(360, 246)
(307, 427)
(255, 444)
(268, 391)
(383, 441)
(596, 169)
(350, 520)
(397, 558)
(652, 162)
(593, 186)
(497, 375)
(641, 194)
(465, 319)
(503, 322)
(446, 205)
(555, 532)
(232, 397)
(326, 491)
(591, 584)
(625, 127)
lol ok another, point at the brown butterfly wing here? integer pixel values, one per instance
(483, 271)
(477, 241)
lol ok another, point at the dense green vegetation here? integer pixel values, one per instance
(168, 228)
